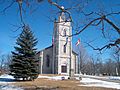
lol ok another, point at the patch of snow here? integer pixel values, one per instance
(102, 77)
(54, 77)
(10, 87)
(78, 74)
(40, 76)
(7, 76)
(59, 77)
(114, 78)
(99, 77)
(77, 78)
(99, 83)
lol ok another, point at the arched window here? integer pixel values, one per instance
(47, 60)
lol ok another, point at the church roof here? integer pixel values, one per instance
(45, 48)
(49, 47)
(74, 52)
(52, 46)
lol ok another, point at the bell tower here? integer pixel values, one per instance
(62, 45)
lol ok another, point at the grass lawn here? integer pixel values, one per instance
(46, 84)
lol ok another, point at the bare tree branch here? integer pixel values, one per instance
(4, 10)
(103, 28)
(116, 13)
(17, 27)
(87, 14)
(112, 24)
(55, 4)
(20, 9)
(73, 7)
(116, 43)
(96, 24)
(62, 9)
(85, 27)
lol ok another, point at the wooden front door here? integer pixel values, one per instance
(64, 69)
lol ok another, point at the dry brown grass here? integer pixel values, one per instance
(46, 84)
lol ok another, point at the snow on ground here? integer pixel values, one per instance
(99, 83)
(5, 79)
(114, 78)
(54, 77)
(59, 77)
(41, 76)
(103, 77)
(7, 76)
(92, 76)
(88, 81)
(10, 87)
(100, 77)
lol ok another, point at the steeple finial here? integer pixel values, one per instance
(62, 7)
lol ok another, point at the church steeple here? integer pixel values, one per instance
(58, 58)
(61, 50)
(62, 17)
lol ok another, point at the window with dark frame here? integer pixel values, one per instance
(47, 60)
(65, 33)
(64, 69)
(64, 48)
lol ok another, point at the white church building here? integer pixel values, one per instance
(59, 58)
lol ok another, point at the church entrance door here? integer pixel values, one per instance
(64, 69)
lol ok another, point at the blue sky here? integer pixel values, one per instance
(43, 27)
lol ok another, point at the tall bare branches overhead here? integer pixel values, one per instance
(101, 19)
(95, 18)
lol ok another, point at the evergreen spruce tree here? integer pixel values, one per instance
(24, 63)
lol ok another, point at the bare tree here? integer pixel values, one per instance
(116, 57)
(94, 18)
(4, 63)
(100, 18)
(82, 58)
(88, 67)
(98, 67)
(109, 67)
